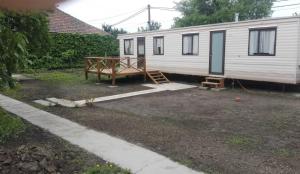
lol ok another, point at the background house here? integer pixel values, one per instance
(61, 22)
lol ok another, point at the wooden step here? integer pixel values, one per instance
(214, 78)
(157, 77)
(217, 82)
(210, 83)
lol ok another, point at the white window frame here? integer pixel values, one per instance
(258, 49)
(131, 52)
(162, 51)
(191, 53)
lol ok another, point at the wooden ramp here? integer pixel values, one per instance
(213, 82)
(157, 77)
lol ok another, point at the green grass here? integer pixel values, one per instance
(106, 169)
(60, 77)
(10, 126)
(14, 92)
(283, 152)
(65, 77)
(242, 142)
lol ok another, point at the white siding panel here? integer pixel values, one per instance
(298, 67)
(298, 75)
(173, 61)
(280, 68)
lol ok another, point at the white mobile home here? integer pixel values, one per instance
(260, 50)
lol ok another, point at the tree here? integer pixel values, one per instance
(21, 35)
(113, 31)
(153, 26)
(199, 12)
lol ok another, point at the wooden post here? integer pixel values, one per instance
(86, 69)
(128, 62)
(98, 70)
(113, 72)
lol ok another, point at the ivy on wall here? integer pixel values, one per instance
(69, 50)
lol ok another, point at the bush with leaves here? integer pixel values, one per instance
(12, 54)
(68, 50)
(21, 35)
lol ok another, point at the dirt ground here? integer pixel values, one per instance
(208, 131)
(35, 144)
(37, 89)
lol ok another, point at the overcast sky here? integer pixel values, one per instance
(97, 12)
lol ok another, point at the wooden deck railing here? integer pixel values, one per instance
(115, 66)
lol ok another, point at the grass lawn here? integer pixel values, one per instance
(208, 131)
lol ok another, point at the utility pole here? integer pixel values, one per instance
(149, 17)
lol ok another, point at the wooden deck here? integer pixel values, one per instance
(114, 67)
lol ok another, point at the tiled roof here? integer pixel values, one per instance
(61, 22)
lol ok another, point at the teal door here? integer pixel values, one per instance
(217, 52)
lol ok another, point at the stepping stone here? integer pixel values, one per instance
(218, 89)
(203, 88)
(171, 86)
(297, 95)
(63, 102)
(112, 86)
(44, 103)
(21, 77)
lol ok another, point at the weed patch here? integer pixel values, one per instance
(283, 152)
(241, 142)
(106, 169)
(10, 127)
(12, 92)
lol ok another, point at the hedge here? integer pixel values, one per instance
(68, 50)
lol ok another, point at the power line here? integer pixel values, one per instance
(288, 5)
(141, 11)
(164, 8)
(132, 16)
(282, 9)
(111, 17)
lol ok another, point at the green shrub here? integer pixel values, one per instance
(10, 127)
(106, 169)
(68, 50)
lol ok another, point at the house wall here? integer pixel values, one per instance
(298, 65)
(238, 65)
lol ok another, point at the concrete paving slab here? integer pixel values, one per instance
(63, 102)
(21, 77)
(119, 96)
(171, 86)
(127, 155)
(156, 88)
(297, 95)
(44, 103)
(218, 89)
(203, 88)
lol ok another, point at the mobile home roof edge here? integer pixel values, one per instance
(211, 25)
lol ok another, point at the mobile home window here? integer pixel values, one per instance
(158, 45)
(262, 42)
(190, 44)
(128, 46)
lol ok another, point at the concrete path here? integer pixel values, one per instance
(81, 103)
(111, 149)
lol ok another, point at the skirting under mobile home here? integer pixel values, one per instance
(261, 50)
